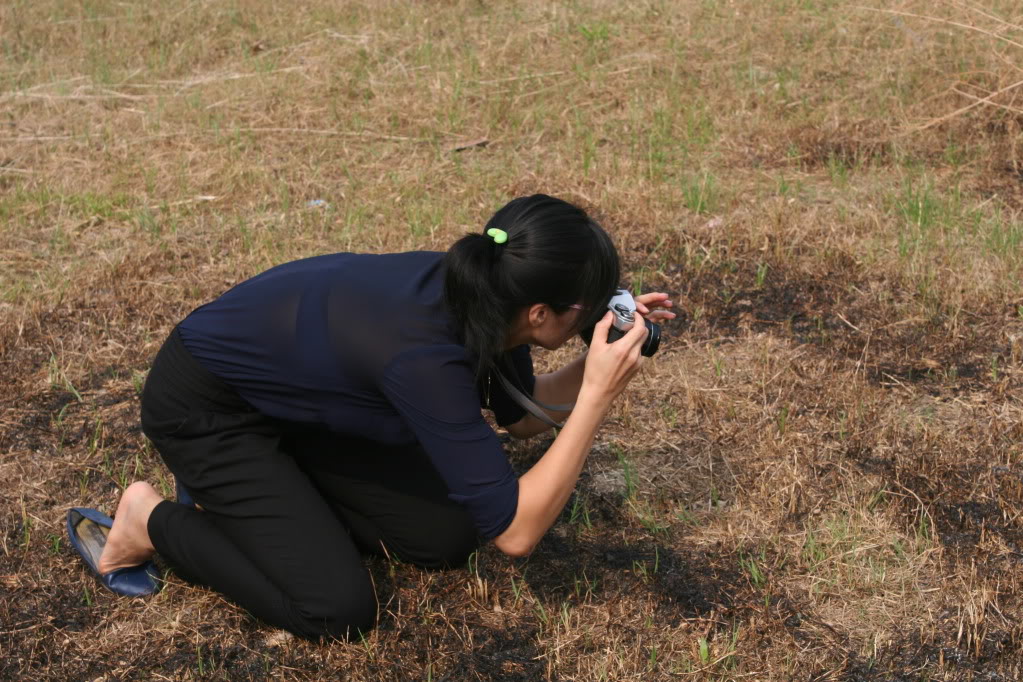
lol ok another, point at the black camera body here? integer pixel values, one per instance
(623, 307)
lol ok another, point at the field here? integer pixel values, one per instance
(820, 475)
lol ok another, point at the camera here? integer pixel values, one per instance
(623, 306)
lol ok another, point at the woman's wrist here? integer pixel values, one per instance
(591, 398)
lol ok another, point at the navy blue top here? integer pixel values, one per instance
(363, 344)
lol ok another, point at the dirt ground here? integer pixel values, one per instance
(820, 475)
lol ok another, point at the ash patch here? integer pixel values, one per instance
(839, 313)
(965, 502)
(500, 654)
(992, 658)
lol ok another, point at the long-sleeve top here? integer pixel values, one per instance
(363, 344)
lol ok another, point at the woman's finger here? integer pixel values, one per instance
(659, 314)
(601, 330)
(658, 298)
(637, 335)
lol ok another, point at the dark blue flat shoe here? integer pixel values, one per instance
(88, 529)
(181, 492)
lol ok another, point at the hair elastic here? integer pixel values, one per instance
(500, 236)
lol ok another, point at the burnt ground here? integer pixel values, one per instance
(818, 478)
(630, 561)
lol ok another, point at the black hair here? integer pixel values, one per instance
(554, 254)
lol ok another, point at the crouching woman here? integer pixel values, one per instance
(331, 408)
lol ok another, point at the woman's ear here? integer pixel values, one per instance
(538, 313)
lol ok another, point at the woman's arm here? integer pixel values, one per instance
(556, 388)
(546, 487)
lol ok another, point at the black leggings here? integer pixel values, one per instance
(288, 509)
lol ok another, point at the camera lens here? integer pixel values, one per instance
(653, 339)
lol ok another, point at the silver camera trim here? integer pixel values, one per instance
(623, 306)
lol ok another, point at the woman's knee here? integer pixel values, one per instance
(448, 547)
(340, 614)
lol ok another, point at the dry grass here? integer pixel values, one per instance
(821, 475)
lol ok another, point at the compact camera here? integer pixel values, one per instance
(623, 306)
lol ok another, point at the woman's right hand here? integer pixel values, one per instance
(545, 488)
(610, 366)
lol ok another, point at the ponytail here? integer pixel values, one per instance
(472, 297)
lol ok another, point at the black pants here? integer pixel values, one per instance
(288, 509)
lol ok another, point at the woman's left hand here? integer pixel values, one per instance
(645, 303)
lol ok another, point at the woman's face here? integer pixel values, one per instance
(551, 330)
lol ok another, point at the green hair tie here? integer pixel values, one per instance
(500, 236)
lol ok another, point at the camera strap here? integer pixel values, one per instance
(534, 407)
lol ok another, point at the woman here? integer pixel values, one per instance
(331, 407)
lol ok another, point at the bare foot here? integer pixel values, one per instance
(128, 542)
